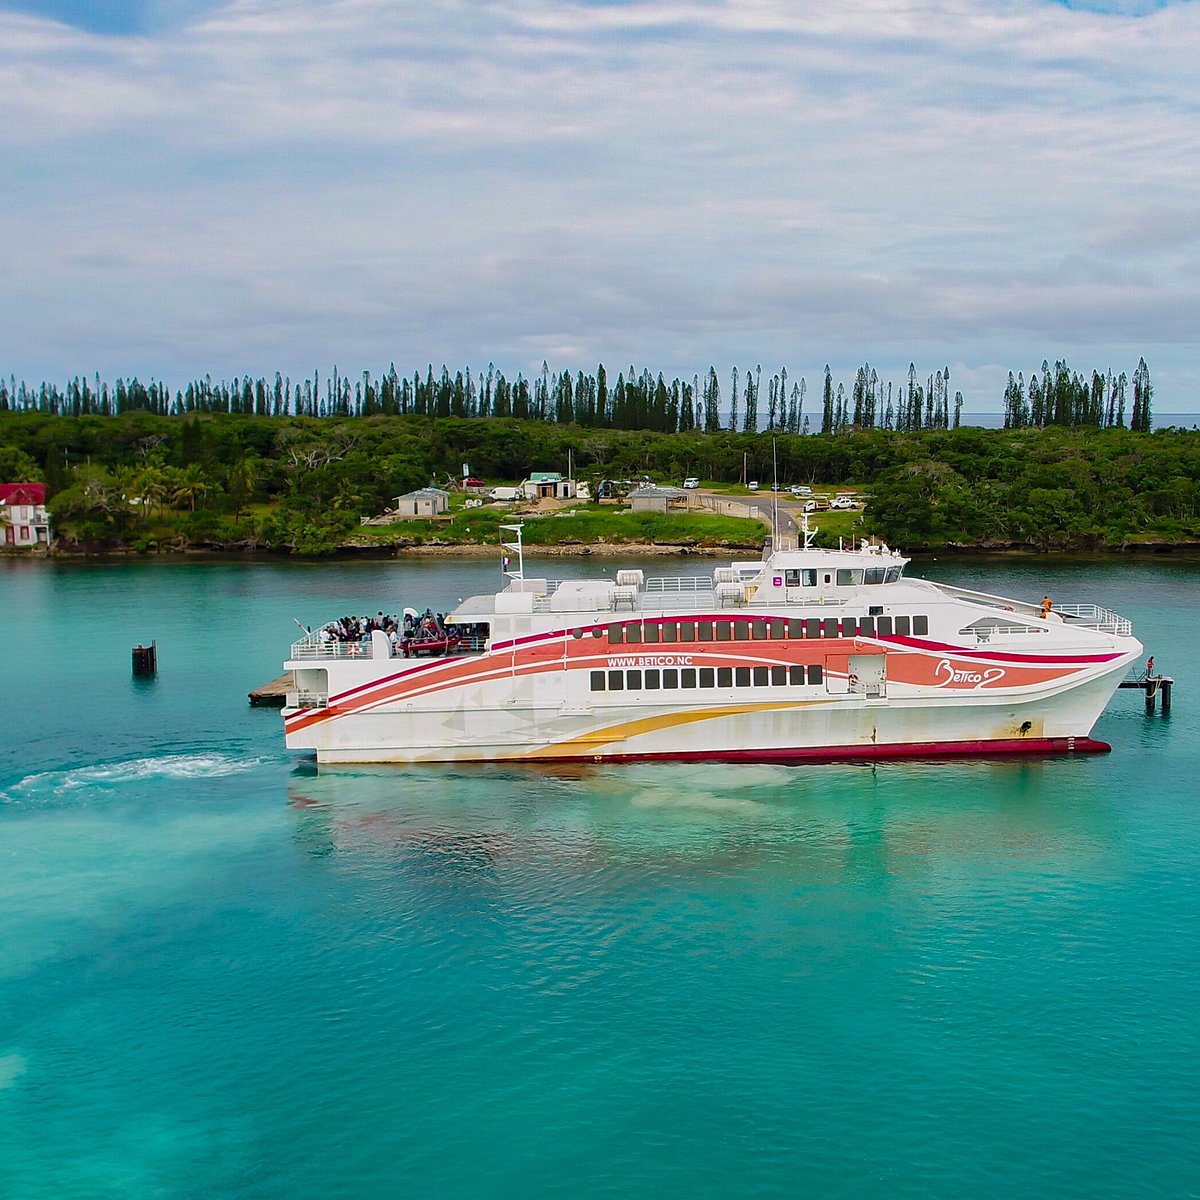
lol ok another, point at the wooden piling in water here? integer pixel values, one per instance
(145, 659)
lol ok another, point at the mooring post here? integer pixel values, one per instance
(1166, 694)
(145, 659)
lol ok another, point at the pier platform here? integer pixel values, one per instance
(1152, 686)
(273, 694)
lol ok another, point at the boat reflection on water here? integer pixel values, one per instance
(889, 823)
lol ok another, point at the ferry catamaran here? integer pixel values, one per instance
(808, 654)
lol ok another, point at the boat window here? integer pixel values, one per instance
(614, 634)
(762, 676)
(652, 678)
(884, 625)
(577, 633)
(670, 678)
(797, 674)
(707, 679)
(758, 630)
(866, 626)
(723, 634)
(634, 681)
(902, 626)
(724, 677)
(687, 631)
(779, 675)
(598, 631)
(795, 629)
(812, 627)
(808, 576)
(920, 625)
(791, 578)
(849, 626)
(597, 681)
(687, 677)
(814, 673)
(829, 627)
(633, 633)
(893, 575)
(849, 576)
(649, 632)
(741, 676)
(670, 631)
(741, 631)
(875, 575)
(704, 631)
(779, 630)
(827, 577)
(616, 681)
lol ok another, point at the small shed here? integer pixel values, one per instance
(649, 498)
(424, 502)
(548, 485)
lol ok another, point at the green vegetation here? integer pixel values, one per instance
(302, 484)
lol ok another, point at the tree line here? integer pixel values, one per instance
(302, 484)
(637, 399)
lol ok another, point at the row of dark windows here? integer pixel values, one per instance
(653, 679)
(775, 629)
(846, 576)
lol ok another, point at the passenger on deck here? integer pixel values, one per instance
(1045, 606)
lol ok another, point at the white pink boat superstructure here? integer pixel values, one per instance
(811, 653)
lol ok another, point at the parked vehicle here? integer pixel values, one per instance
(799, 489)
(844, 502)
(753, 485)
(691, 482)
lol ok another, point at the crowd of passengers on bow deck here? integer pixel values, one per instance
(412, 633)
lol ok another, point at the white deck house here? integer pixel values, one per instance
(24, 521)
(548, 485)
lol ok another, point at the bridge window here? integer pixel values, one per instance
(875, 575)
(849, 576)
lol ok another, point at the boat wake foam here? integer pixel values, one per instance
(136, 770)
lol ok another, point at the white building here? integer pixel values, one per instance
(424, 502)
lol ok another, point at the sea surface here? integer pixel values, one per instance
(224, 974)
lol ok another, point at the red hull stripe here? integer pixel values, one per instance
(905, 751)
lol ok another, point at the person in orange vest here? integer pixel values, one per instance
(1150, 666)
(1045, 606)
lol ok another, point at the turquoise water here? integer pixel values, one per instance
(224, 975)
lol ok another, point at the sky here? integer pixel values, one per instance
(260, 185)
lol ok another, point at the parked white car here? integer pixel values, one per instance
(753, 485)
(691, 482)
(843, 502)
(798, 489)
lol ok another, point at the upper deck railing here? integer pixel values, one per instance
(1092, 616)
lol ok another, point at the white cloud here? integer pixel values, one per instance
(677, 183)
